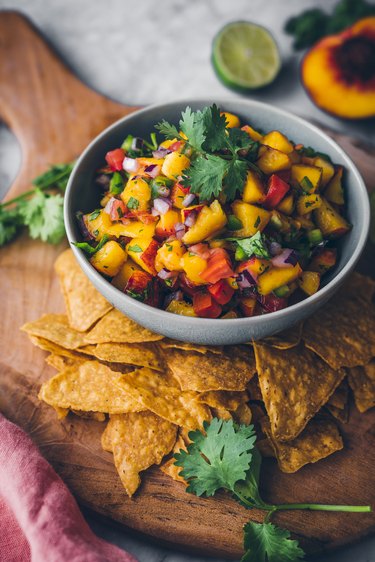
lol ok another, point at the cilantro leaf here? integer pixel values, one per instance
(91, 250)
(218, 459)
(249, 489)
(10, 224)
(168, 130)
(56, 176)
(234, 180)
(192, 125)
(215, 128)
(205, 176)
(43, 214)
(255, 245)
(265, 542)
(239, 139)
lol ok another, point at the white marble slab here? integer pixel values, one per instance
(144, 51)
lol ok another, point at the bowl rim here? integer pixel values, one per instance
(112, 293)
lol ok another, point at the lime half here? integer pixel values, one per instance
(245, 56)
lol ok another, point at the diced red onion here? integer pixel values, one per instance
(201, 250)
(155, 213)
(163, 190)
(287, 258)
(130, 164)
(190, 219)
(161, 152)
(180, 234)
(109, 205)
(188, 200)
(153, 170)
(179, 226)
(275, 248)
(165, 274)
(137, 143)
(245, 280)
(162, 205)
(176, 296)
(103, 180)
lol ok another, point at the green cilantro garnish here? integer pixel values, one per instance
(133, 203)
(255, 245)
(116, 185)
(94, 215)
(220, 157)
(306, 185)
(224, 456)
(40, 208)
(91, 250)
(135, 248)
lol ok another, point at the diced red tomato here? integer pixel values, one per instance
(115, 159)
(142, 216)
(186, 212)
(115, 208)
(277, 189)
(201, 250)
(205, 305)
(271, 302)
(218, 266)
(138, 285)
(176, 146)
(149, 255)
(221, 291)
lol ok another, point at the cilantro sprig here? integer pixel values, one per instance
(220, 157)
(223, 457)
(40, 209)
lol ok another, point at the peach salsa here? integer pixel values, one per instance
(219, 220)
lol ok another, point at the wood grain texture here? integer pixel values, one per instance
(54, 116)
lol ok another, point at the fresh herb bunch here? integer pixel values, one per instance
(220, 157)
(312, 25)
(224, 457)
(40, 209)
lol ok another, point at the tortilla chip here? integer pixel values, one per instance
(130, 354)
(342, 332)
(253, 389)
(60, 362)
(229, 371)
(96, 416)
(362, 285)
(137, 440)
(242, 414)
(152, 390)
(55, 328)
(295, 384)
(287, 339)
(114, 327)
(226, 400)
(338, 404)
(175, 344)
(319, 439)
(169, 467)
(221, 414)
(84, 304)
(89, 387)
(362, 383)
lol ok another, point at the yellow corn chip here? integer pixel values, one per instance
(138, 440)
(84, 304)
(342, 332)
(253, 389)
(226, 400)
(319, 439)
(287, 339)
(221, 413)
(362, 383)
(152, 390)
(295, 384)
(145, 355)
(175, 344)
(194, 371)
(55, 328)
(114, 327)
(60, 362)
(89, 387)
(242, 414)
(169, 467)
(338, 404)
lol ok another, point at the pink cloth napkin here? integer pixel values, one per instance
(39, 518)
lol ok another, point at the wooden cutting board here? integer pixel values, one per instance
(54, 116)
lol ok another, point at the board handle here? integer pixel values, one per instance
(51, 112)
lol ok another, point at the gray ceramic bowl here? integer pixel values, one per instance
(81, 195)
